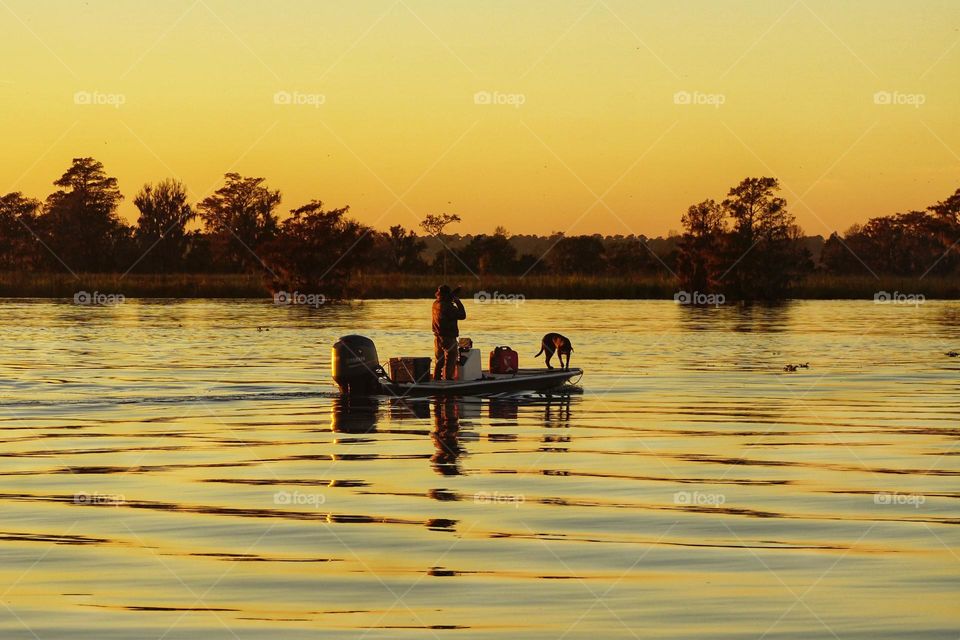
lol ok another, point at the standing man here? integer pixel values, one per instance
(447, 311)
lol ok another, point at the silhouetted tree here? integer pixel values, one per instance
(700, 262)
(161, 231)
(404, 249)
(905, 243)
(912, 243)
(79, 223)
(764, 253)
(630, 256)
(490, 254)
(240, 216)
(316, 251)
(530, 264)
(947, 213)
(578, 255)
(435, 224)
(198, 256)
(18, 244)
(844, 255)
(948, 209)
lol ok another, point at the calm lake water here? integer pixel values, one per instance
(185, 470)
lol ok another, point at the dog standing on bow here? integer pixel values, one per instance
(556, 343)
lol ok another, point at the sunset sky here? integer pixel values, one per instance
(607, 116)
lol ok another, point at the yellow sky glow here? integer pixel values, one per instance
(607, 116)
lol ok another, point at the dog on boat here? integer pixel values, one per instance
(556, 343)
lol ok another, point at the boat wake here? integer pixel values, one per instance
(205, 398)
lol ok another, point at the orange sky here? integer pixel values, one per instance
(589, 116)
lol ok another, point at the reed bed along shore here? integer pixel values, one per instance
(821, 287)
(186, 285)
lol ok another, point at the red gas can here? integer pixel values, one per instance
(504, 360)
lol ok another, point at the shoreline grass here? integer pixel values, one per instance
(371, 286)
(186, 285)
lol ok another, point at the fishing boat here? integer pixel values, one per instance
(357, 370)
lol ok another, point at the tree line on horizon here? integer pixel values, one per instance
(747, 246)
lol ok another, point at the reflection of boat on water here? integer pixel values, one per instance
(355, 414)
(357, 370)
(446, 436)
(503, 410)
(454, 419)
(506, 409)
(361, 414)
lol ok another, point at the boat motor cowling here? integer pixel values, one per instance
(355, 364)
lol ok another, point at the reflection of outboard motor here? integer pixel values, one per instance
(355, 365)
(354, 414)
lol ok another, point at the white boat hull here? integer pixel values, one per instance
(491, 383)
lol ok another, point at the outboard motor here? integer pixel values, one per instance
(355, 365)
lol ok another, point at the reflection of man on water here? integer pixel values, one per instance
(447, 311)
(446, 437)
